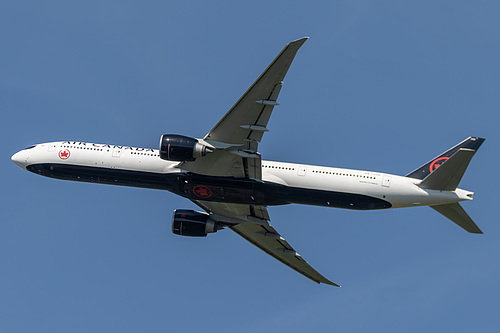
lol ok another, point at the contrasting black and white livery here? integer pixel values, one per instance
(224, 175)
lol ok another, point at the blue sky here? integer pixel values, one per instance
(381, 86)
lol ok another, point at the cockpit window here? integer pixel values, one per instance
(30, 147)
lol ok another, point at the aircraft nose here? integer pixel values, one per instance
(20, 158)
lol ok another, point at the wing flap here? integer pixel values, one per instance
(235, 213)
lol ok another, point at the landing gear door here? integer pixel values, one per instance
(302, 171)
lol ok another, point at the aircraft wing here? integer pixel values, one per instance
(234, 141)
(235, 137)
(270, 241)
(251, 223)
(247, 119)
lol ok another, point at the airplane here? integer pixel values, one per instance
(223, 173)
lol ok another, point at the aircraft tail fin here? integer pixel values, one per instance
(457, 214)
(471, 143)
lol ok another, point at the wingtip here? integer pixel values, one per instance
(300, 40)
(330, 283)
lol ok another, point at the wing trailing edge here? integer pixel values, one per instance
(251, 223)
(266, 238)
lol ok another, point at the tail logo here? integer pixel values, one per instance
(437, 163)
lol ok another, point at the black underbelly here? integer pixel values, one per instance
(219, 189)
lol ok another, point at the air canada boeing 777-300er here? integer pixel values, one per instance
(223, 173)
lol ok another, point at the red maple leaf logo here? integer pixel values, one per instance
(437, 163)
(202, 192)
(64, 154)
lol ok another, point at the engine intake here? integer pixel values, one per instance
(194, 224)
(180, 148)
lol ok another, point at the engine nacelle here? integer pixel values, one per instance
(180, 148)
(195, 224)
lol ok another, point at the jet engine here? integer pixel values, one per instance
(195, 224)
(181, 148)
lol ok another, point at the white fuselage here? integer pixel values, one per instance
(399, 191)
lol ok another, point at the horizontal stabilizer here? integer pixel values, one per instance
(470, 143)
(448, 175)
(457, 214)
